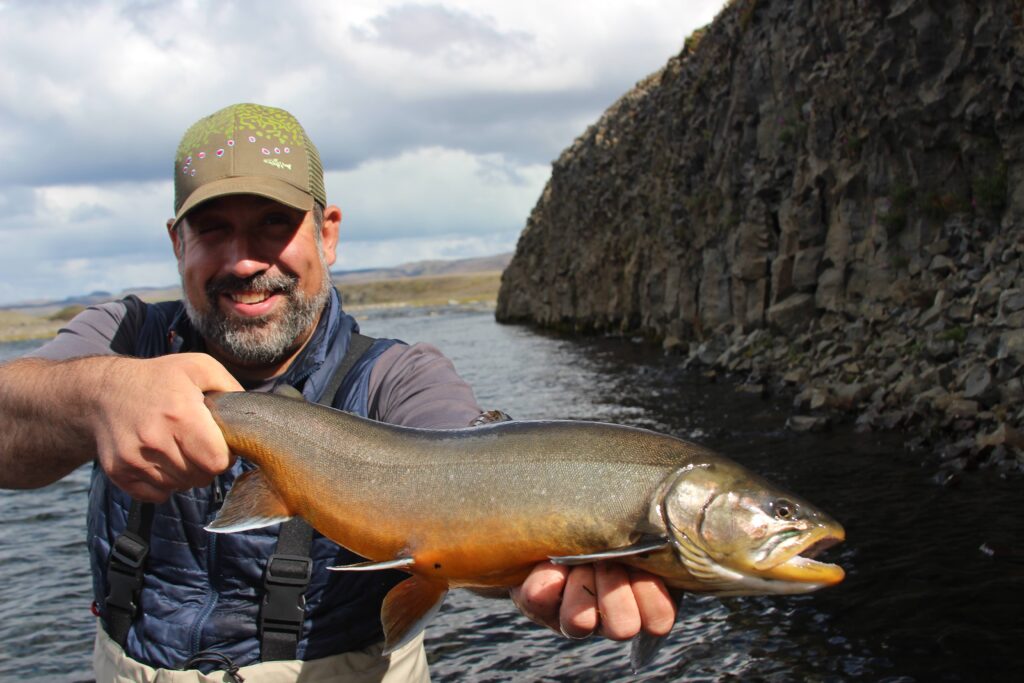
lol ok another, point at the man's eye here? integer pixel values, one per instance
(277, 219)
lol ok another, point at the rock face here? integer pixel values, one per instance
(834, 190)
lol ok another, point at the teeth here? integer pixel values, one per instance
(248, 297)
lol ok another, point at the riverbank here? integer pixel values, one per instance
(461, 289)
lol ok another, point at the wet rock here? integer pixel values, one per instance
(807, 423)
(1004, 435)
(1011, 345)
(978, 385)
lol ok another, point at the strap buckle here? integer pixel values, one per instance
(284, 600)
(124, 575)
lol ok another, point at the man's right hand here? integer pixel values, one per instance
(153, 433)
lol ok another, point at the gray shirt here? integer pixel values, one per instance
(415, 386)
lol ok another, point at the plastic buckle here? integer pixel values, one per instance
(130, 550)
(284, 601)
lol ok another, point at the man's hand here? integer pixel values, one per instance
(153, 433)
(606, 598)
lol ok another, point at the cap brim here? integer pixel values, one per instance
(271, 188)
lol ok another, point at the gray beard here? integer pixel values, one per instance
(267, 339)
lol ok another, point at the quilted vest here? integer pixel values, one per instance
(201, 591)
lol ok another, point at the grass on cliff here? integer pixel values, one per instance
(432, 290)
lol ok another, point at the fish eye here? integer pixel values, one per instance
(784, 509)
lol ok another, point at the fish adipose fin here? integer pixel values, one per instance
(408, 608)
(648, 546)
(645, 646)
(371, 566)
(251, 504)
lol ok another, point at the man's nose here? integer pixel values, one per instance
(244, 258)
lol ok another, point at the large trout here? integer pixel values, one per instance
(479, 507)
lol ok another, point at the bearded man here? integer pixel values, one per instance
(122, 386)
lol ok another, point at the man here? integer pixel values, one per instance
(123, 386)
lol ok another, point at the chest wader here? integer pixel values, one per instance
(284, 580)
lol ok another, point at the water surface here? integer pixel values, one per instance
(921, 601)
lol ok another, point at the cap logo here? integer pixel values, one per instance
(277, 163)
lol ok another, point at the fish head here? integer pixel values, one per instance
(742, 535)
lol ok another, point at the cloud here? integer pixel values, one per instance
(435, 120)
(435, 191)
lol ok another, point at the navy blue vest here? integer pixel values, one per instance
(202, 591)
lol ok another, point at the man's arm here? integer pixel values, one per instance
(419, 388)
(144, 420)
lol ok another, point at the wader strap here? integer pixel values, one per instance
(124, 571)
(288, 570)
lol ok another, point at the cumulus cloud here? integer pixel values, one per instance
(443, 115)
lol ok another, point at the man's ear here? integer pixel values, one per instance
(175, 238)
(329, 233)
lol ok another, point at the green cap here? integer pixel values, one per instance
(247, 149)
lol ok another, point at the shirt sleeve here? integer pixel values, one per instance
(90, 333)
(417, 386)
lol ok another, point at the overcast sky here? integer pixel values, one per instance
(437, 121)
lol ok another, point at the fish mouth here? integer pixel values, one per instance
(798, 564)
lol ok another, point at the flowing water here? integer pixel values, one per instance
(921, 601)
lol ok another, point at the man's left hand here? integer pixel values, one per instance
(607, 598)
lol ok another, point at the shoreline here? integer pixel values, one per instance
(470, 290)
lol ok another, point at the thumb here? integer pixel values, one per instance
(207, 373)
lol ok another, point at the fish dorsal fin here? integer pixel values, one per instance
(408, 608)
(639, 548)
(250, 504)
(289, 391)
(371, 566)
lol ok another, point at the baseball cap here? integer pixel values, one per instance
(247, 149)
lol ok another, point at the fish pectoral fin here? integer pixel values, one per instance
(408, 608)
(250, 504)
(371, 566)
(640, 548)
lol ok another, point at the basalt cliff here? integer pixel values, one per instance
(822, 194)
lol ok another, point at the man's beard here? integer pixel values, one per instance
(263, 340)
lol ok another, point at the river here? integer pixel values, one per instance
(921, 602)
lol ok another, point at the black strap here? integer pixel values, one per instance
(285, 579)
(288, 570)
(125, 569)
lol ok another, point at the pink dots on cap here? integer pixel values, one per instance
(231, 143)
(220, 152)
(266, 152)
(201, 155)
(252, 138)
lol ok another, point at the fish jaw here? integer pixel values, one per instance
(798, 565)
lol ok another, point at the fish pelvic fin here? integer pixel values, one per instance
(645, 646)
(408, 608)
(371, 566)
(639, 548)
(250, 504)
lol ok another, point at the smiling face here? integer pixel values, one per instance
(255, 278)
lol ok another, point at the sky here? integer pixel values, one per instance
(437, 121)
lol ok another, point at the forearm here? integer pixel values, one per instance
(45, 413)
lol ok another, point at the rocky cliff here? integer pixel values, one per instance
(828, 194)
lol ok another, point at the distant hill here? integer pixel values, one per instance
(421, 268)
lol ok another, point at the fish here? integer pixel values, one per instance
(480, 507)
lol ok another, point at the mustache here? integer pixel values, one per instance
(260, 282)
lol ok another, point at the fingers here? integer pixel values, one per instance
(620, 617)
(656, 608)
(578, 616)
(540, 595)
(154, 433)
(606, 598)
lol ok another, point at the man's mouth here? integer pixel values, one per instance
(250, 297)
